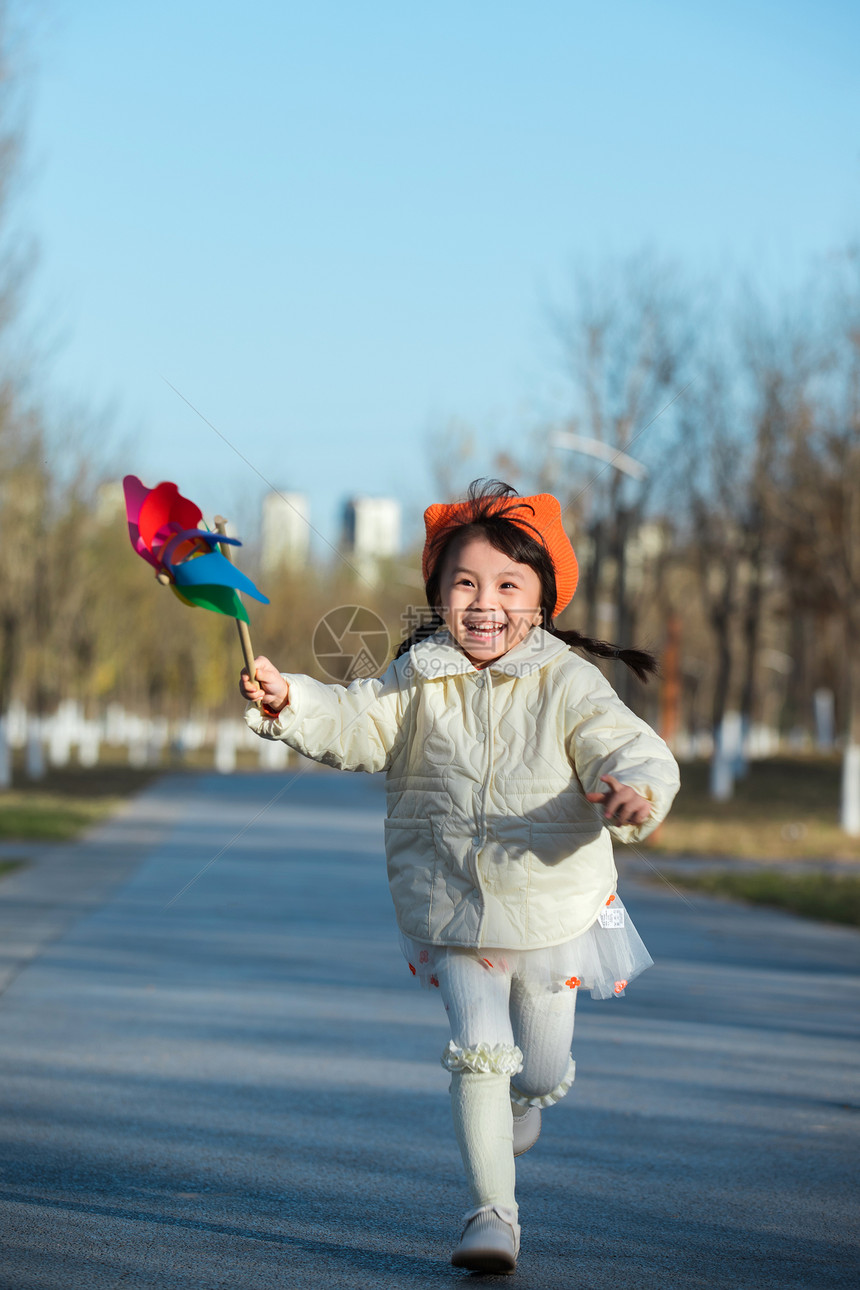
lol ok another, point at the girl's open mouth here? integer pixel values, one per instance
(486, 632)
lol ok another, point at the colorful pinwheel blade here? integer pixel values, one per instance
(155, 515)
(165, 509)
(135, 495)
(221, 600)
(214, 570)
(164, 528)
(190, 542)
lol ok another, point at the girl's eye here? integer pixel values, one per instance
(462, 582)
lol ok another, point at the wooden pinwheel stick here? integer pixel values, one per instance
(244, 634)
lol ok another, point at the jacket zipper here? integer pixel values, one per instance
(485, 788)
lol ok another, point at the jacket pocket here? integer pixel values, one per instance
(549, 844)
(410, 853)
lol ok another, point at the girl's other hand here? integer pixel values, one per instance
(622, 802)
(268, 686)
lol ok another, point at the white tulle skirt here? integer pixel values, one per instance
(604, 959)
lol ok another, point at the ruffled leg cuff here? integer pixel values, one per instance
(484, 1059)
(548, 1099)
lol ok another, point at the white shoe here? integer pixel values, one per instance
(489, 1243)
(526, 1130)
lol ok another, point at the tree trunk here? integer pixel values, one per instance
(623, 677)
(9, 625)
(722, 768)
(670, 693)
(751, 626)
(720, 621)
(850, 798)
(592, 576)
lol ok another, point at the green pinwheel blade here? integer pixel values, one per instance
(221, 600)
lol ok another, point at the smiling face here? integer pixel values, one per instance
(489, 603)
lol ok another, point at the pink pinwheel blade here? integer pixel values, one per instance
(136, 494)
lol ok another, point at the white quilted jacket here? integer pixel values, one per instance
(489, 838)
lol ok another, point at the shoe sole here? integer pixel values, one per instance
(522, 1151)
(486, 1260)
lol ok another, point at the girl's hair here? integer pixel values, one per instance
(488, 519)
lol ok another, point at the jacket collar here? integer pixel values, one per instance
(440, 655)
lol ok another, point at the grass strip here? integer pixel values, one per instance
(827, 897)
(785, 808)
(66, 803)
(51, 817)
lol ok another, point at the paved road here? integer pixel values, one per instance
(236, 1083)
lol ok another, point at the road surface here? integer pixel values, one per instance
(216, 1071)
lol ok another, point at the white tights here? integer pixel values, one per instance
(501, 1027)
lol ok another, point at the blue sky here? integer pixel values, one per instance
(335, 226)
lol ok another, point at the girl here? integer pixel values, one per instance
(509, 761)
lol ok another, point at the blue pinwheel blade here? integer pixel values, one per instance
(214, 570)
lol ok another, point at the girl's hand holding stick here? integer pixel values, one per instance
(265, 685)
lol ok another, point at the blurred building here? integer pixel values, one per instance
(285, 531)
(371, 533)
(109, 501)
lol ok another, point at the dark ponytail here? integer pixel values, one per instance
(639, 661)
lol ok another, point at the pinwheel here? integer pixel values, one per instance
(165, 530)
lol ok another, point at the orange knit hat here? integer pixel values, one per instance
(542, 523)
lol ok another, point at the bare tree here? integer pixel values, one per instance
(626, 345)
(773, 362)
(21, 473)
(821, 514)
(713, 486)
(451, 449)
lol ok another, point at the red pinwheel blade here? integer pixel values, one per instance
(165, 506)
